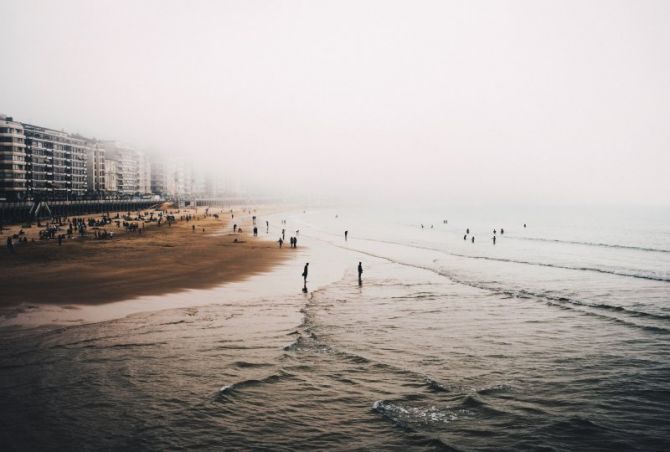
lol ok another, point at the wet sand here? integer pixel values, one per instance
(158, 261)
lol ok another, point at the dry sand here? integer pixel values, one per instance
(160, 260)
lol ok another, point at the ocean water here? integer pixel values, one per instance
(555, 338)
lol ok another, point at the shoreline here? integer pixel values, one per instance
(158, 261)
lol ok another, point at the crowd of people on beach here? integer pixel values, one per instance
(60, 229)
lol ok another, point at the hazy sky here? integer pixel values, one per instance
(501, 101)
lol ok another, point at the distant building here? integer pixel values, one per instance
(12, 160)
(96, 169)
(38, 163)
(160, 176)
(127, 167)
(144, 173)
(56, 163)
(111, 171)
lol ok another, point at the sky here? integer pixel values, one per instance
(398, 101)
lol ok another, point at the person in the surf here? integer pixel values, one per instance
(304, 275)
(360, 273)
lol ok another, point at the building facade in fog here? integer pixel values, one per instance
(127, 167)
(160, 176)
(13, 176)
(95, 166)
(56, 163)
(39, 163)
(111, 171)
(143, 173)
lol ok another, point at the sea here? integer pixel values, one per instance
(556, 338)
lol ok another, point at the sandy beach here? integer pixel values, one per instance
(160, 260)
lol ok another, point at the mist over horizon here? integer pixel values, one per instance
(374, 102)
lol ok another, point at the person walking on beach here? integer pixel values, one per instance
(494, 239)
(346, 235)
(465, 237)
(304, 276)
(255, 231)
(473, 239)
(267, 227)
(235, 227)
(360, 274)
(305, 271)
(281, 242)
(283, 234)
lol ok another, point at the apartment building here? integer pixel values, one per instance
(95, 166)
(13, 176)
(127, 167)
(55, 163)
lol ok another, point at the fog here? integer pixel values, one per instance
(469, 102)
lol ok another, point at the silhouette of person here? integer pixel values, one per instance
(473, 239)
(360, 273)
(304, 275)
(494, 239)
(346, 235)
(465, 237)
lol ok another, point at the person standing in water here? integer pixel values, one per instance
(494, 239)
(473, 239)
(346, 235)
(304, 276)
(360, 274)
